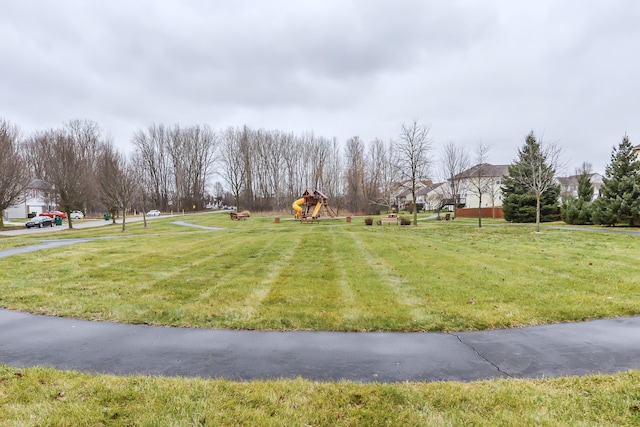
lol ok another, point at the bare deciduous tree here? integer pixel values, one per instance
(191, 151)
(119, 182)
(333, 185)
(233, 161)
(354, 173)
(413, 148)
(479, 179)
(64, 167)
(14, 176)
(87, 137)
(144, 185)
(152, 148)
(455, 160)
(381, 174)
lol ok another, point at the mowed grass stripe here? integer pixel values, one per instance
(305, 294)
(353, 313)
(367, 301)
(393, 300)
(212, 293)
(261, 271)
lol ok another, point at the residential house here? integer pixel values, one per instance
(402, 193)
(37, 198)
(569, 185)
(489, 178)
(432, 196)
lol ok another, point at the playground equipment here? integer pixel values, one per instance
(309, 205)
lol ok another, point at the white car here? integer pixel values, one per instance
(153, 212)
(77, 215)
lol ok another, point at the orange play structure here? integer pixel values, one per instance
(309, 205)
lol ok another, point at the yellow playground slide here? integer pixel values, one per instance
(296, 207)
(316, 210)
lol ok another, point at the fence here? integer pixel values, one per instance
(486, 212)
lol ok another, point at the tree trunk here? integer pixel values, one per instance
(538, 212)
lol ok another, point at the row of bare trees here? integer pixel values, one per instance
(13, 164)
(267, 170)
(180, 168)
(176, 164)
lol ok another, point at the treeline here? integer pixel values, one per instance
(619, 198)
(531, 192)
(258, 169)
(175, 168)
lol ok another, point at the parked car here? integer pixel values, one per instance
(54, 214)
(153, 212)
(77, 215)
(40, 221)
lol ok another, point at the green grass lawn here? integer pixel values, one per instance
(328, 276)
(46, 397)
(255, 274)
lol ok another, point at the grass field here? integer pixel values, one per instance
(329, 276)
(440, 276)
(45, 397)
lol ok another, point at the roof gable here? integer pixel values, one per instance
(484, 170)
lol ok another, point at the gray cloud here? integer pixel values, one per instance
(485, 71)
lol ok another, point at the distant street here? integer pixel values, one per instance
(77, 223)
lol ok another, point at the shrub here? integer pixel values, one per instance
(405, 221)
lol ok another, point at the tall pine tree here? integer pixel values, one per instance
(619, 200)
(530, 187)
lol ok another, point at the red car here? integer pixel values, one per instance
(54, 214)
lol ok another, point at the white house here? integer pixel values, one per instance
(402, 193)
(432, 196)
(37, 198)
(481, 178)
(569, 185)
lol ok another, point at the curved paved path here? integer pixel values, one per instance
(600, 346)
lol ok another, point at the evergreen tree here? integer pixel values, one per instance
(579, 210)
(619, 200)
(529, 192)
(585, 186)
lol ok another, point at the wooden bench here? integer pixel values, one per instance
(388, 220)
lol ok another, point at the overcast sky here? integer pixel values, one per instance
(473, 71)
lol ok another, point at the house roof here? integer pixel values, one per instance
(483, 170)
(39, 184)
(573, 179)
(428, 189)
(402, 189)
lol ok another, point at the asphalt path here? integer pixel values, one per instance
(599, 346)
